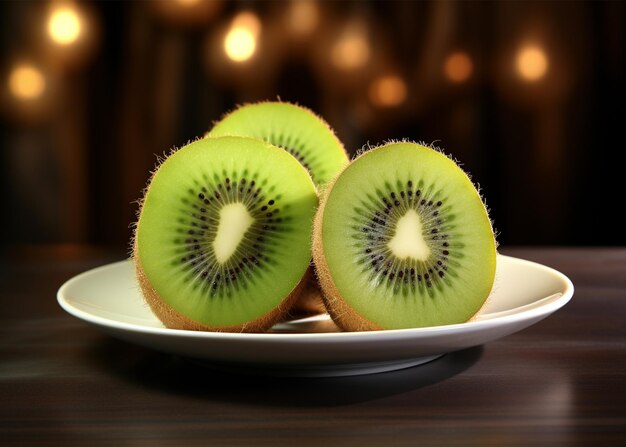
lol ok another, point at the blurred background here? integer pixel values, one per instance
(528, 96)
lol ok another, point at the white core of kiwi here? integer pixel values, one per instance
(234, 222)
(408, 241)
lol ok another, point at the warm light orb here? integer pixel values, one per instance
(188, 3)
(388, 91)
(458, 67)
(352, 50)
(64, 25)
(303, 16)
(531, 63)
(240, 42)
(26, 82)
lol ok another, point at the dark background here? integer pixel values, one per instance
(142, 77)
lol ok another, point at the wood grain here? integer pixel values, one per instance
(561, 382)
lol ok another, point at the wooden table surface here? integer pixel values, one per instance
(559, 382)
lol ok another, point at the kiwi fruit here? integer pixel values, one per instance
(223, 237)
(296, 129)
(402, 239)
(304, 135)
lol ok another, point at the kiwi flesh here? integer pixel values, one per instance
(402, 239)
(223, 237)
(294, 128)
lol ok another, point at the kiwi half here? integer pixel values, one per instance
(296, 129)
(223, 237)
(402, 239)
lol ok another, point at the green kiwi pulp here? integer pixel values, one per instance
(296, 129)
(402, 239)
(223, 237)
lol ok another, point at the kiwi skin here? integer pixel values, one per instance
(341, 313)
(175, 320)
(310, 301)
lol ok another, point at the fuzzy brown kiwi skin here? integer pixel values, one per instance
(342, 314)
(309, 302)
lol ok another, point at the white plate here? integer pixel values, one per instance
(109, 298)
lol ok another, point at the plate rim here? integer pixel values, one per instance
(523, 315)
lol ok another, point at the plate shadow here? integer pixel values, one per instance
(172, 374)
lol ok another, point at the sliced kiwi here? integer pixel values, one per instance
(223, 237)
(402, 239)
(296, 129)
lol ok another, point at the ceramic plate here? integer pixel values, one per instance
(109, 298)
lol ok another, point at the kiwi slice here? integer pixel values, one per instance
(402, 239)
(296, 129)
(223, 237)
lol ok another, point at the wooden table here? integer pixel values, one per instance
(560, 382)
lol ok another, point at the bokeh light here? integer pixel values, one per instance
(388, 91)
(186, 13)
(240, 42)
(351, 51)
(27, 82)
(458, 67)
(64, 25)
(303, 16)
(531, 63)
